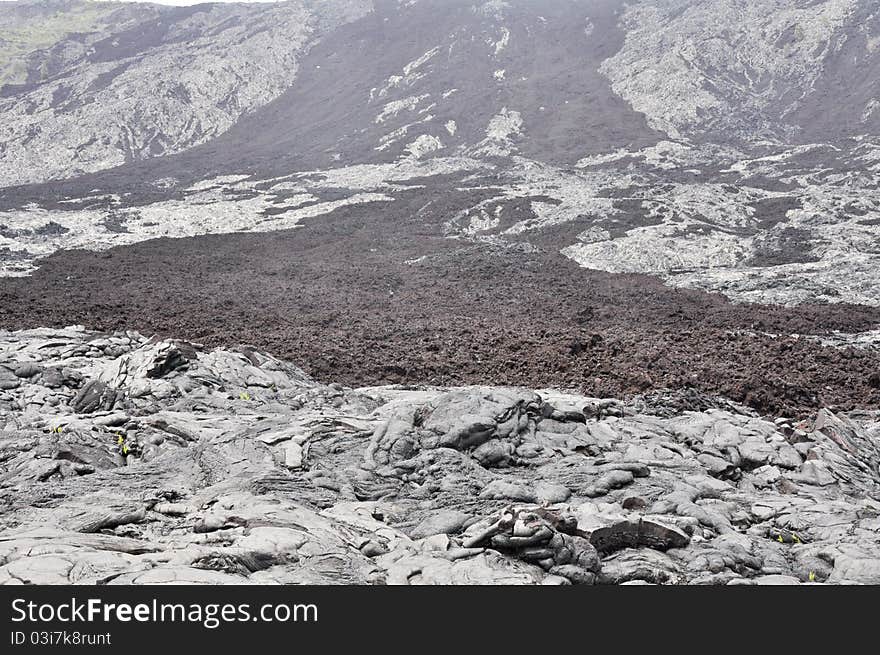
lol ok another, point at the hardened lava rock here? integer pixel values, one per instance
(125, 460)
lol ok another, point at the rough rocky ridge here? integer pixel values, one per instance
(147, 461)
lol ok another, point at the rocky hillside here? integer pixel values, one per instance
(87, 86)
(134, 460)
(777, 71)
(560, 79)
(725, 146)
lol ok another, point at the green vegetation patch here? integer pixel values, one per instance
(24, 33)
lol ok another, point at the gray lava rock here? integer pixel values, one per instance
(94, 396)
(447, 521)
(146, 461)
(28, 370)
(609, 481)
(8, 379)
(502, 489)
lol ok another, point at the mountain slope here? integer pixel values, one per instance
(583, 77)
(722, 145)
(144, 80)
(782, 70)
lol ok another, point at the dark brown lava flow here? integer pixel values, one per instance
(338, 296)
